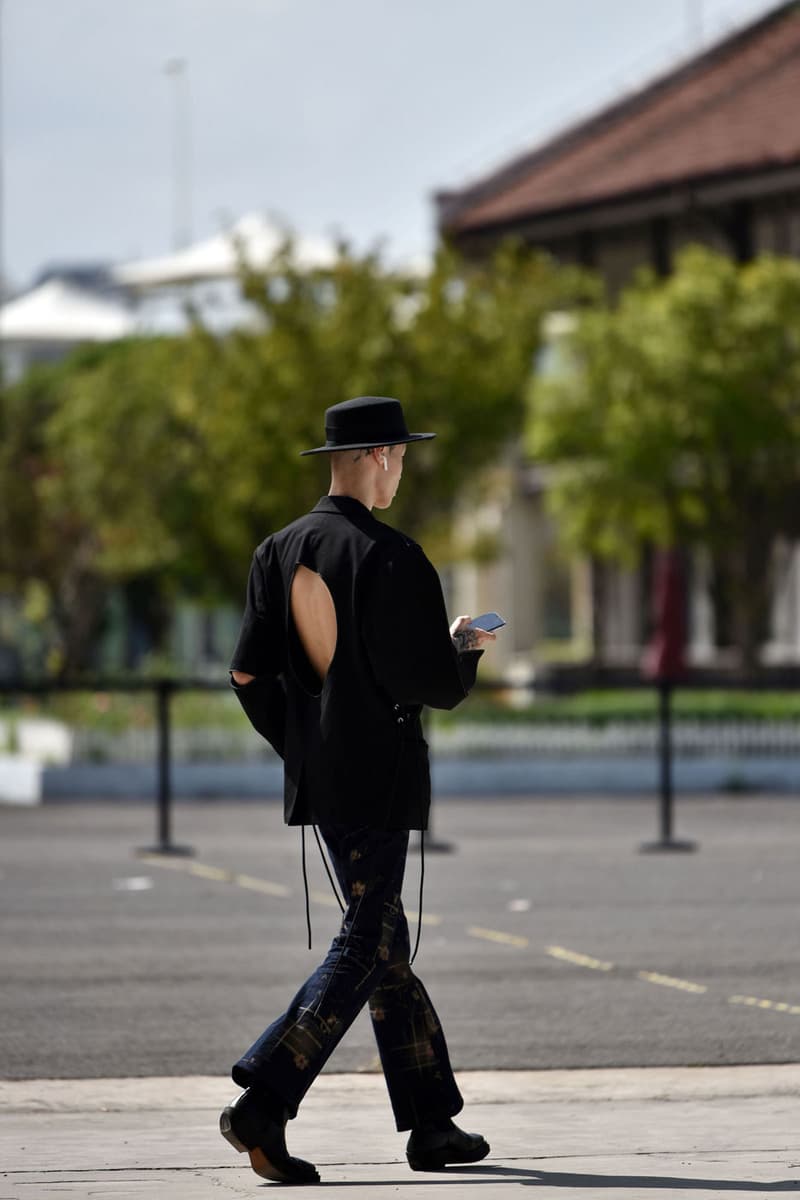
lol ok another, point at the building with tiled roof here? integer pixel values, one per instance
(709, 152)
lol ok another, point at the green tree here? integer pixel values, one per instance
(93, 490)
(455, 345)
(167, 460)
(47, 553)
(675, 419)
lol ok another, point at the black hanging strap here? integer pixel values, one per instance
(305, 881)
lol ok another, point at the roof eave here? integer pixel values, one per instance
(453, 202)
(669, 198)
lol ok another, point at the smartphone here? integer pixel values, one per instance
(487, 621)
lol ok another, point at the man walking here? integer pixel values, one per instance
(344, 639)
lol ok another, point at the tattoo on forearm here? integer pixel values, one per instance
(465, 639)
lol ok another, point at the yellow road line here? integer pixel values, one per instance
(159, 860)
(497, 935)
(266, 886)
(204, 871)
(219, 874)
(683, 985)
(775, 1005)
(427, 918)
(579, 960)
(254, 884)
(190, 867)
(326, 898)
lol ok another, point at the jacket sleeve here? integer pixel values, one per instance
(407, 635)
(259, 652)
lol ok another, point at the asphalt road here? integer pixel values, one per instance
(552, 942)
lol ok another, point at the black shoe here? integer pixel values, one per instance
(433, 1149)
(248, 1126)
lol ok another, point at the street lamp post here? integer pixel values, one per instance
(175, 70)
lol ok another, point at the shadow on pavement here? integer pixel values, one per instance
(534, 1177)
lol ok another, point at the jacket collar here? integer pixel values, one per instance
(346, 506)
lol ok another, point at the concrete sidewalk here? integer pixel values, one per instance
(676, 1132)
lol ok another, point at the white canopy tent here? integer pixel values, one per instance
(58, 313)
(253, 238)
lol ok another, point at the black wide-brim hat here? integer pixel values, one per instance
(365, 422)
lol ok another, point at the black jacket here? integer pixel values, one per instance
(353, 751)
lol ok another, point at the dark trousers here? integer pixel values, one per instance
(367, 963)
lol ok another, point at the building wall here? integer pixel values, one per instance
(770, 224)
(777, 225)
(519, 583)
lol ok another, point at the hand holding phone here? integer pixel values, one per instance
(475, 634)
(487, 621)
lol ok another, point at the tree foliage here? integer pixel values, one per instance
(169, 459)
(47, 552)
(675, 419)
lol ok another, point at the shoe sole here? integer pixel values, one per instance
(438, 1162)
(258, 1159)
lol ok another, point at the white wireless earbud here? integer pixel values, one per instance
(385, 463)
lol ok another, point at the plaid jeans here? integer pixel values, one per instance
(366, 963)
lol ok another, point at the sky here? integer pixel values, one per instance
(338, 117)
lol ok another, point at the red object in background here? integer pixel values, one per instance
(665, 657)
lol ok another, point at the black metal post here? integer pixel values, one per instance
(666, 840)
(665, 749)
(165, 845)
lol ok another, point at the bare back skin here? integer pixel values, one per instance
(314, 618)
